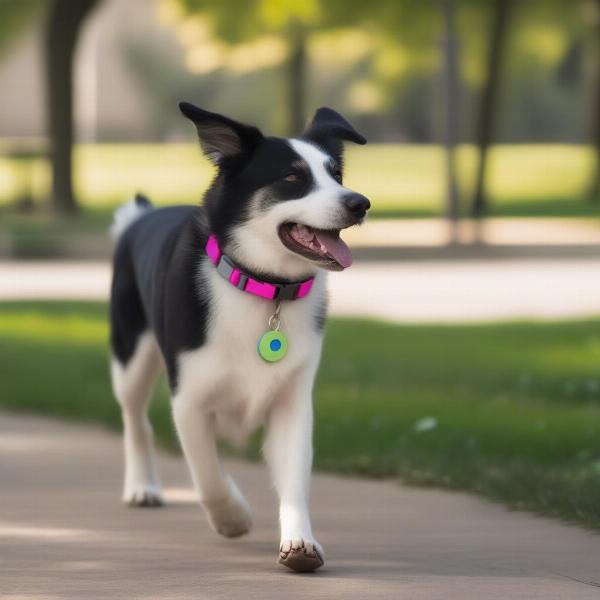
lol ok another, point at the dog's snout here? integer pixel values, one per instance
(357, 204)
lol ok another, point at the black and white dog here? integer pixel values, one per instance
(230, 298)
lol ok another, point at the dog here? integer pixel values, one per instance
(230, 298)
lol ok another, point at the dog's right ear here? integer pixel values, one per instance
(222, 139)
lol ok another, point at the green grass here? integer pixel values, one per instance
(401, 180)
(510, 411)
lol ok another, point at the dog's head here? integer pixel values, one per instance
(278, 205)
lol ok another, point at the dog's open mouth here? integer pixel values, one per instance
(321, 245)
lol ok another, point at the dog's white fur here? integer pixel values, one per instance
(132, 386)
(224, 379)
(257, 244)
(124, 216)
(223, 388)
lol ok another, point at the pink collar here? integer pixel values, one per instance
(271, 291)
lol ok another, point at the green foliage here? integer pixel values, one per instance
(510, 411)
(402, 64)
(15, 16)
(236, 22)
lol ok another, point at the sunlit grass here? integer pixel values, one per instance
(67, 329)
(399, 179)
(511, 411)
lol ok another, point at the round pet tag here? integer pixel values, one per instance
(272, 346)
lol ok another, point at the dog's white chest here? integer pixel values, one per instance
(228, 373)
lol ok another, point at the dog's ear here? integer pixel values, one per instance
(221, 138)
(329, 129)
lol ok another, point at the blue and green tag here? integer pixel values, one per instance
(272, 346)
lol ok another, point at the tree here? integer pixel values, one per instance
(593, 192)
(62, 30)
(296, 79)
(413, 23)
(15, 16)
(236, 22)
(489, 99)
(451, 116)
(531, 14)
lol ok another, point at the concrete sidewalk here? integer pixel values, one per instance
(495, 232)
(425, 291)
(65, 535)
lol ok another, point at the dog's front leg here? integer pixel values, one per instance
(226, 508)
(288, 450)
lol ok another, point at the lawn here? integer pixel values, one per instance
(401, 180)
(510, 411)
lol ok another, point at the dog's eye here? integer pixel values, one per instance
(337, 175)
(292, 177)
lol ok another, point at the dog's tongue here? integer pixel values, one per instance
(335, 247)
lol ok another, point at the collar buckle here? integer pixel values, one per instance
(287, 291)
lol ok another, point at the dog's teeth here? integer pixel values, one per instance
(302, 233)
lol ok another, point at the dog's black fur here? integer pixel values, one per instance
(155, 284)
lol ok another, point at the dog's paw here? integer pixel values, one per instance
(301, 555)
(231, 516)
(146, 495)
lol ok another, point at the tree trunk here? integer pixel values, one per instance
(593, 192)
(63, 25)
(451, 116)
(296, 80)
(594, 189)
(489, 100)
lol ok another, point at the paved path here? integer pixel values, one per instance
(65, 535)
(439, 290)
(494, 232)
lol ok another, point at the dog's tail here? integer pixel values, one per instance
(125, 215)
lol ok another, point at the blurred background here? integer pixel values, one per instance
(464, 348)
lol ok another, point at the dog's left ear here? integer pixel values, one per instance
(329, 129)
(222, 139)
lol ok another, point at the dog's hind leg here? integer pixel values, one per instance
(133, 383)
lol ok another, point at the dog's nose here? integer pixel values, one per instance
(357, 204)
